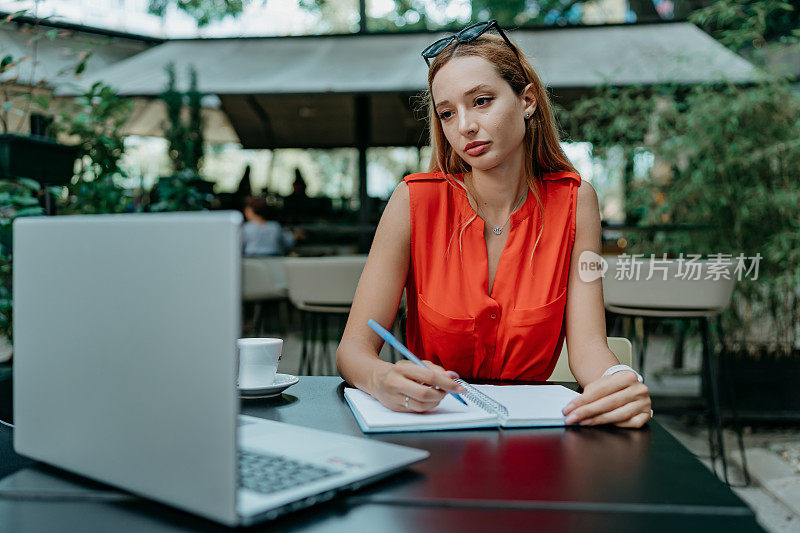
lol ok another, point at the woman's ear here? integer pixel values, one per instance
(529, 99)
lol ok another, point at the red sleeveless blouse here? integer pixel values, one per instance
(517, 331)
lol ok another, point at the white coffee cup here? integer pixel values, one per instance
(258, 361)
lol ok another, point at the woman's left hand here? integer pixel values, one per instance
(618, 399)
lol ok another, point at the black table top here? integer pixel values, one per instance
(594, 479)
(617, 468)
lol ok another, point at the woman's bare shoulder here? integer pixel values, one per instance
(587, 217)
(395, 221)
(587, 196)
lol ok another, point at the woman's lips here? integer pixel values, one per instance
(478, 150)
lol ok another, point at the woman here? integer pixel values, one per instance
(487, 246)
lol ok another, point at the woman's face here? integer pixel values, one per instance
(475, 105)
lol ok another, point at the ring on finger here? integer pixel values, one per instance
(405, 402)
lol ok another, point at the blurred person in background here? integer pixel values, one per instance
(261, 234)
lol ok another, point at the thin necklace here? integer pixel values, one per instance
(498, 230)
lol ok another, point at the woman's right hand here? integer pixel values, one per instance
(407, 387)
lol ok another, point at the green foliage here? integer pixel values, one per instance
(96, 118)
(613, 117)
(95, 197)
(42, 100)
(8, 91)
(18, 198)
(194, 140)
(181, 192)
(410, 15)
(203, 12)
(733, 153)
(742, 23)
(185, 140)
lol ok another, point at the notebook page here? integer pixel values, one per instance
(541, 403)
(448, 414)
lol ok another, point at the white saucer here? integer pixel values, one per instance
(282, 382)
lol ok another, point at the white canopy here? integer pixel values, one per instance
(53, 58)
(568, 57)
(298, 91)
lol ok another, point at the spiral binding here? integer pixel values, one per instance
(483, 401)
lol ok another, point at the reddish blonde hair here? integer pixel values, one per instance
(541, 141)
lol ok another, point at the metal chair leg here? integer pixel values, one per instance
(257, 314)
(680, 341)
(283, 316)
(714, 390)
(325, 356)
(737, 426)
(272, 319)
(617, 326)
(645, 322)
(313, 362)
(705, 392)
(642, 343)
(304, 335)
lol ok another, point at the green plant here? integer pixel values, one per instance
(95, 119)
(18, 198)
(742, 24)
(736, 151)
(36, 97)
(185, 140)
(184, 190)
(180, 192)
(203, 12)
(732, 154)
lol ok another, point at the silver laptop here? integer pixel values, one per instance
(124, 370)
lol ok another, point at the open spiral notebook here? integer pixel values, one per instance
(488, 406)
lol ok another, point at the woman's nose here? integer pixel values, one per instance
(466, 125)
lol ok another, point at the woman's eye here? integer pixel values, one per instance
(478, 100)
(444, 115)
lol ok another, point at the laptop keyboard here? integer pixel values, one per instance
(266, 473)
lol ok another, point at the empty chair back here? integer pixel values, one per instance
(259, 280)
(619, 345)
(323, 281)
(703, 286)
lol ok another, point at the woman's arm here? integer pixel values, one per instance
(378, 296)
(618, 398)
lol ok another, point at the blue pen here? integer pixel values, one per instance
(388, 337)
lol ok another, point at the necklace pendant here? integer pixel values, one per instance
(497, 231)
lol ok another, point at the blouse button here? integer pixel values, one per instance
(493, 316)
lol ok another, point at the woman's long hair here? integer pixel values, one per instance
(541, 142)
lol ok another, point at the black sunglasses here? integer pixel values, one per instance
(470, 33)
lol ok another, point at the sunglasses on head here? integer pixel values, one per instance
(470, 33)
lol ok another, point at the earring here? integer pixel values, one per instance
(527, 115)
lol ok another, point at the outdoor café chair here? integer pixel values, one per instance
(264, 285)
(620, 346)
(675, 292)
(321, 287)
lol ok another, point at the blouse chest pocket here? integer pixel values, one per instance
(447, 341)
(534, 334)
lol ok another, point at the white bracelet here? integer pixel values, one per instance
(618, 368)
